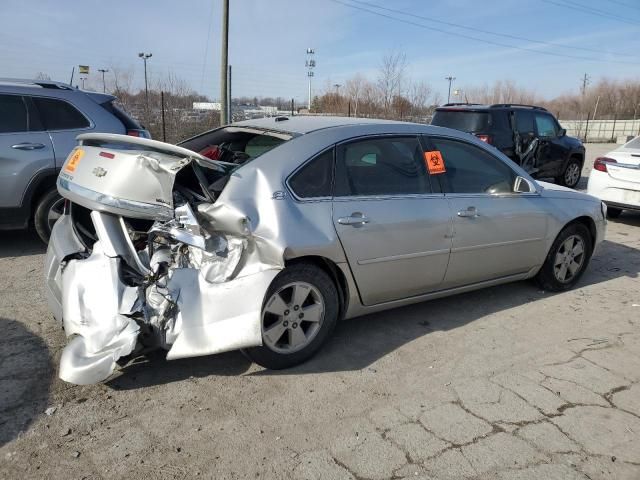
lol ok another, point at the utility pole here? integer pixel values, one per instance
(310, 64)
(145, 57)
(224, 64)
(585, 81)
(451, 79)
(104, 85)
(229, 102)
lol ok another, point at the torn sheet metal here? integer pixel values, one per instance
(195, 283)
(216, 317)
(94, 305)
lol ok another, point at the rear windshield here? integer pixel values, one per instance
(128, 122)
(236, 145)
(466, 121)
(635, 143)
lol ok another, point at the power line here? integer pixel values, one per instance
(592, 11)
(488, 32)
(624, 4)
(477, 39)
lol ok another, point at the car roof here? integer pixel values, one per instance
(301, 124)
(48, 88)
(474, 107)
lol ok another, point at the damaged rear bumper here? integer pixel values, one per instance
(116, 299)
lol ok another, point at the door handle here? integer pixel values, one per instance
(470, 212)
(356, 219)
(28, 146)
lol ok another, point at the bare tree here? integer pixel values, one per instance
(42, 76)
(390, 78)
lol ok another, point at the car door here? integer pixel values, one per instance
(524, 139)
(551, 150)
(25, 149)
(395, 230)
(496, 232)
(64, 122)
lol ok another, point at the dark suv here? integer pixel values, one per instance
(39, 122)
(528, 135)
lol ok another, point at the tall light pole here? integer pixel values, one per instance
(104, 85)
(310, 64)
(451, 79)
(145, 57)
(224, 65)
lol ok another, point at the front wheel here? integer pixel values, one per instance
(567, 259)
(571, 174)
(299, 313)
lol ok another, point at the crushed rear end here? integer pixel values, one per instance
(149, 255)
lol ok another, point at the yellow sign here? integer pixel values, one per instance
(83, 69)
(74, 160)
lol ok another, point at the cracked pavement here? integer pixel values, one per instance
(504, 383)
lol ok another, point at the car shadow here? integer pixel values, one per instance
(155, 369)
(358, 343)
(20, 243)
(628, 217)
(26, 374)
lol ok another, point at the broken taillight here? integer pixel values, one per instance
(484, 138)
(601, 163)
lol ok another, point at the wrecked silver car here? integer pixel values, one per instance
(279, 227)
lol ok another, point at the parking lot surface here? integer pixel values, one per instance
(510, 382)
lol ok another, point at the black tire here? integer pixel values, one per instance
(613, 212)
(546, 277)
(47, 207)
(310, 274)
(572, 181)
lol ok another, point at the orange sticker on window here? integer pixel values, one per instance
(73, 160)
(434, 161)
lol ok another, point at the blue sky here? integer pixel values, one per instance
(268, 39)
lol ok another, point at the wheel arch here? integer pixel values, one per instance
(587, 222)
(334, 272)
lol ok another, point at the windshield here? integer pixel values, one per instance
(467, 121)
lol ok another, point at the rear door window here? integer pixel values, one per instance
(381, 166)
(13, 114)
(60, 115)
(467, 121)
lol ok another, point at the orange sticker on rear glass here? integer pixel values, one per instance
(434, 161)
(73, 160)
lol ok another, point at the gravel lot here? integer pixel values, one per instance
(510, 382)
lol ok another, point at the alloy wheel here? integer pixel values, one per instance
(572, 175)
(569, 259)
(55, 212)
(292, 317)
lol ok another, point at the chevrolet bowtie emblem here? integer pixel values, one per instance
(99, 172)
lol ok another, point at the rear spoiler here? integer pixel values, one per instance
(102, 139)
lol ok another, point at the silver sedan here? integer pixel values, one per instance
(263, 234)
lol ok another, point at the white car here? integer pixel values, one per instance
(615, 178)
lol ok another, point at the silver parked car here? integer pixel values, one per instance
(280, 227)
(39, 122)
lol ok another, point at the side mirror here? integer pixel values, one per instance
(562, 132)
(522, 185)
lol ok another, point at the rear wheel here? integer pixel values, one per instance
(567, 259)
(613, 212)
(299, 314)
(571, 174)
(48, 211)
